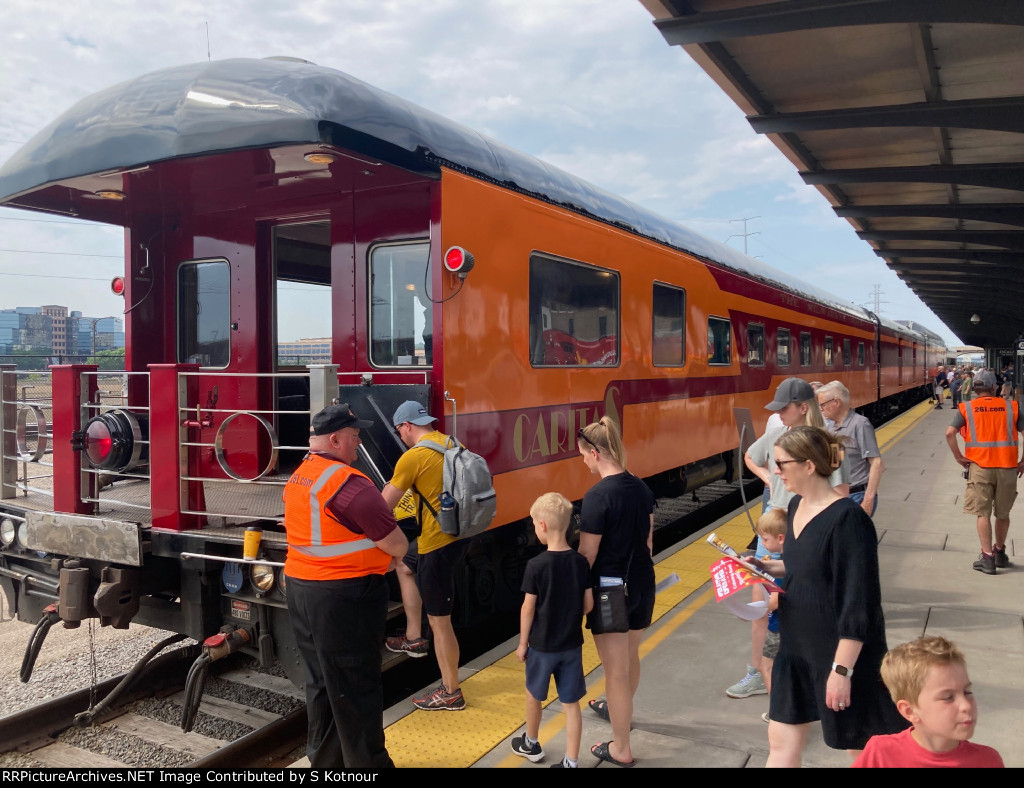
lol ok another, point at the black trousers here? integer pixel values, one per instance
(339, 628)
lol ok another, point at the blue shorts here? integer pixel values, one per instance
(858, 498)
(565, 666)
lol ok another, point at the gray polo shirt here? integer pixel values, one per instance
(860, 444)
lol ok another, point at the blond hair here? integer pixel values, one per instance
(554, 509)
(773, 523)
(905, 667)
(604, 436)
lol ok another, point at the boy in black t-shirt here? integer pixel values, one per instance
(557, 591)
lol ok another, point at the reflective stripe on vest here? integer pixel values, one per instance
(333, 550)
(999, 453)
(316, 548)
(320, 547)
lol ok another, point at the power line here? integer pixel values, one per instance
(68, 254)
(744, 234)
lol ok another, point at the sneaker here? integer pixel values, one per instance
(441, 699)
(564, 764)
(400, 644)
(1000, 557)
(986, 564)
(751, 684)
(533, 753)
(764, 717)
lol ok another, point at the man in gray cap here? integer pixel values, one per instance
(989, 425)
(342, 539)
(421, 469)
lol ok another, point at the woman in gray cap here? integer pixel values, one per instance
(797, 405)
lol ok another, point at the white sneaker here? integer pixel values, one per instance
(751, 684)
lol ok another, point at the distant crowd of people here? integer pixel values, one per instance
(956, 383)
(820, 654)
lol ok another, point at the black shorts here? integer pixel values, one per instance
(435, 577)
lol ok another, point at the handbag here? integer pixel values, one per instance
(611, 605)
(611, 610)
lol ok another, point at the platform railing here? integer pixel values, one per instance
(26, 412)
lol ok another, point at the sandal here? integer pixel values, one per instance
(602, 752)
(600, 708)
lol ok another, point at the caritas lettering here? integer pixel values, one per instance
(546, 435)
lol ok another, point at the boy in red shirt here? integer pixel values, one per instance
(927, 678)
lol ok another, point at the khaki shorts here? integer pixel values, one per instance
(988, 488)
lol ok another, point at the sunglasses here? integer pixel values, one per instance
(581, 436)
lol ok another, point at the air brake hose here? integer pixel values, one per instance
(35, 642)
(82, 719)
(227, 641)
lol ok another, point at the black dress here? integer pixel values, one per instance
(832, 591)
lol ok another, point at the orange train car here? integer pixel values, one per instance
(269, 201)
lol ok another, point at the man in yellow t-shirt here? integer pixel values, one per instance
(421, 469)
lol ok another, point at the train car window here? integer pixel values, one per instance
(302, 275)
(783, 348)
(204, 313)
(719, 341)
(829, 358)
(669, 326)
(805, 348)
(755, 346)
(860, 353)
(401, 314)
(574, 314)
(846, 352)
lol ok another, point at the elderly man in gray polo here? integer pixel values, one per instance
(860, 444)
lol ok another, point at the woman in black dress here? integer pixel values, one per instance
(617, 537)
(830, 616)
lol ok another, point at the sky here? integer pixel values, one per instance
(589, 86)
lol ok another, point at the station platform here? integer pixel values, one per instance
(695, 648)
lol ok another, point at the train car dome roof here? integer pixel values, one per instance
(228, 105)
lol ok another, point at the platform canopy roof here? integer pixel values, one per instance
(907, 115)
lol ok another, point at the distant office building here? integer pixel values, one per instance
(53, 330)
(303, 352)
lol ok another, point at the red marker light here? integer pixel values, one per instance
(117, 285)
(458, 261)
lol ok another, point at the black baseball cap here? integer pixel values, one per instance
(334, 418)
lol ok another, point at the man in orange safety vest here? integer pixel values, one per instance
(992, 464)
(342, 539)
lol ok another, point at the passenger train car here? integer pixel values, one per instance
(265, 200)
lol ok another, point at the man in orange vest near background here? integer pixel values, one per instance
(991, 458)
(342, 539)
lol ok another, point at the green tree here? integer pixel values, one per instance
(109, 359)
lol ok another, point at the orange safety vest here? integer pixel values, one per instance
(319, 546)
(990, 436)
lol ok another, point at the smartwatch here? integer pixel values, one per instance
(842, 670)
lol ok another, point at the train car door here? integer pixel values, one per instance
(301, 258)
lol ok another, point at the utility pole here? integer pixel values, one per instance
(744, 234)
(876, 297)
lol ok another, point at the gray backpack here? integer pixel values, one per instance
(468, 500)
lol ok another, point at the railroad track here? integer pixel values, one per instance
(246, 718)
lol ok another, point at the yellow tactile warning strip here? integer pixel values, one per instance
(495, 696)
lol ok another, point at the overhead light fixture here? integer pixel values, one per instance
(110, 194)
(319, 157)
(975, 319)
